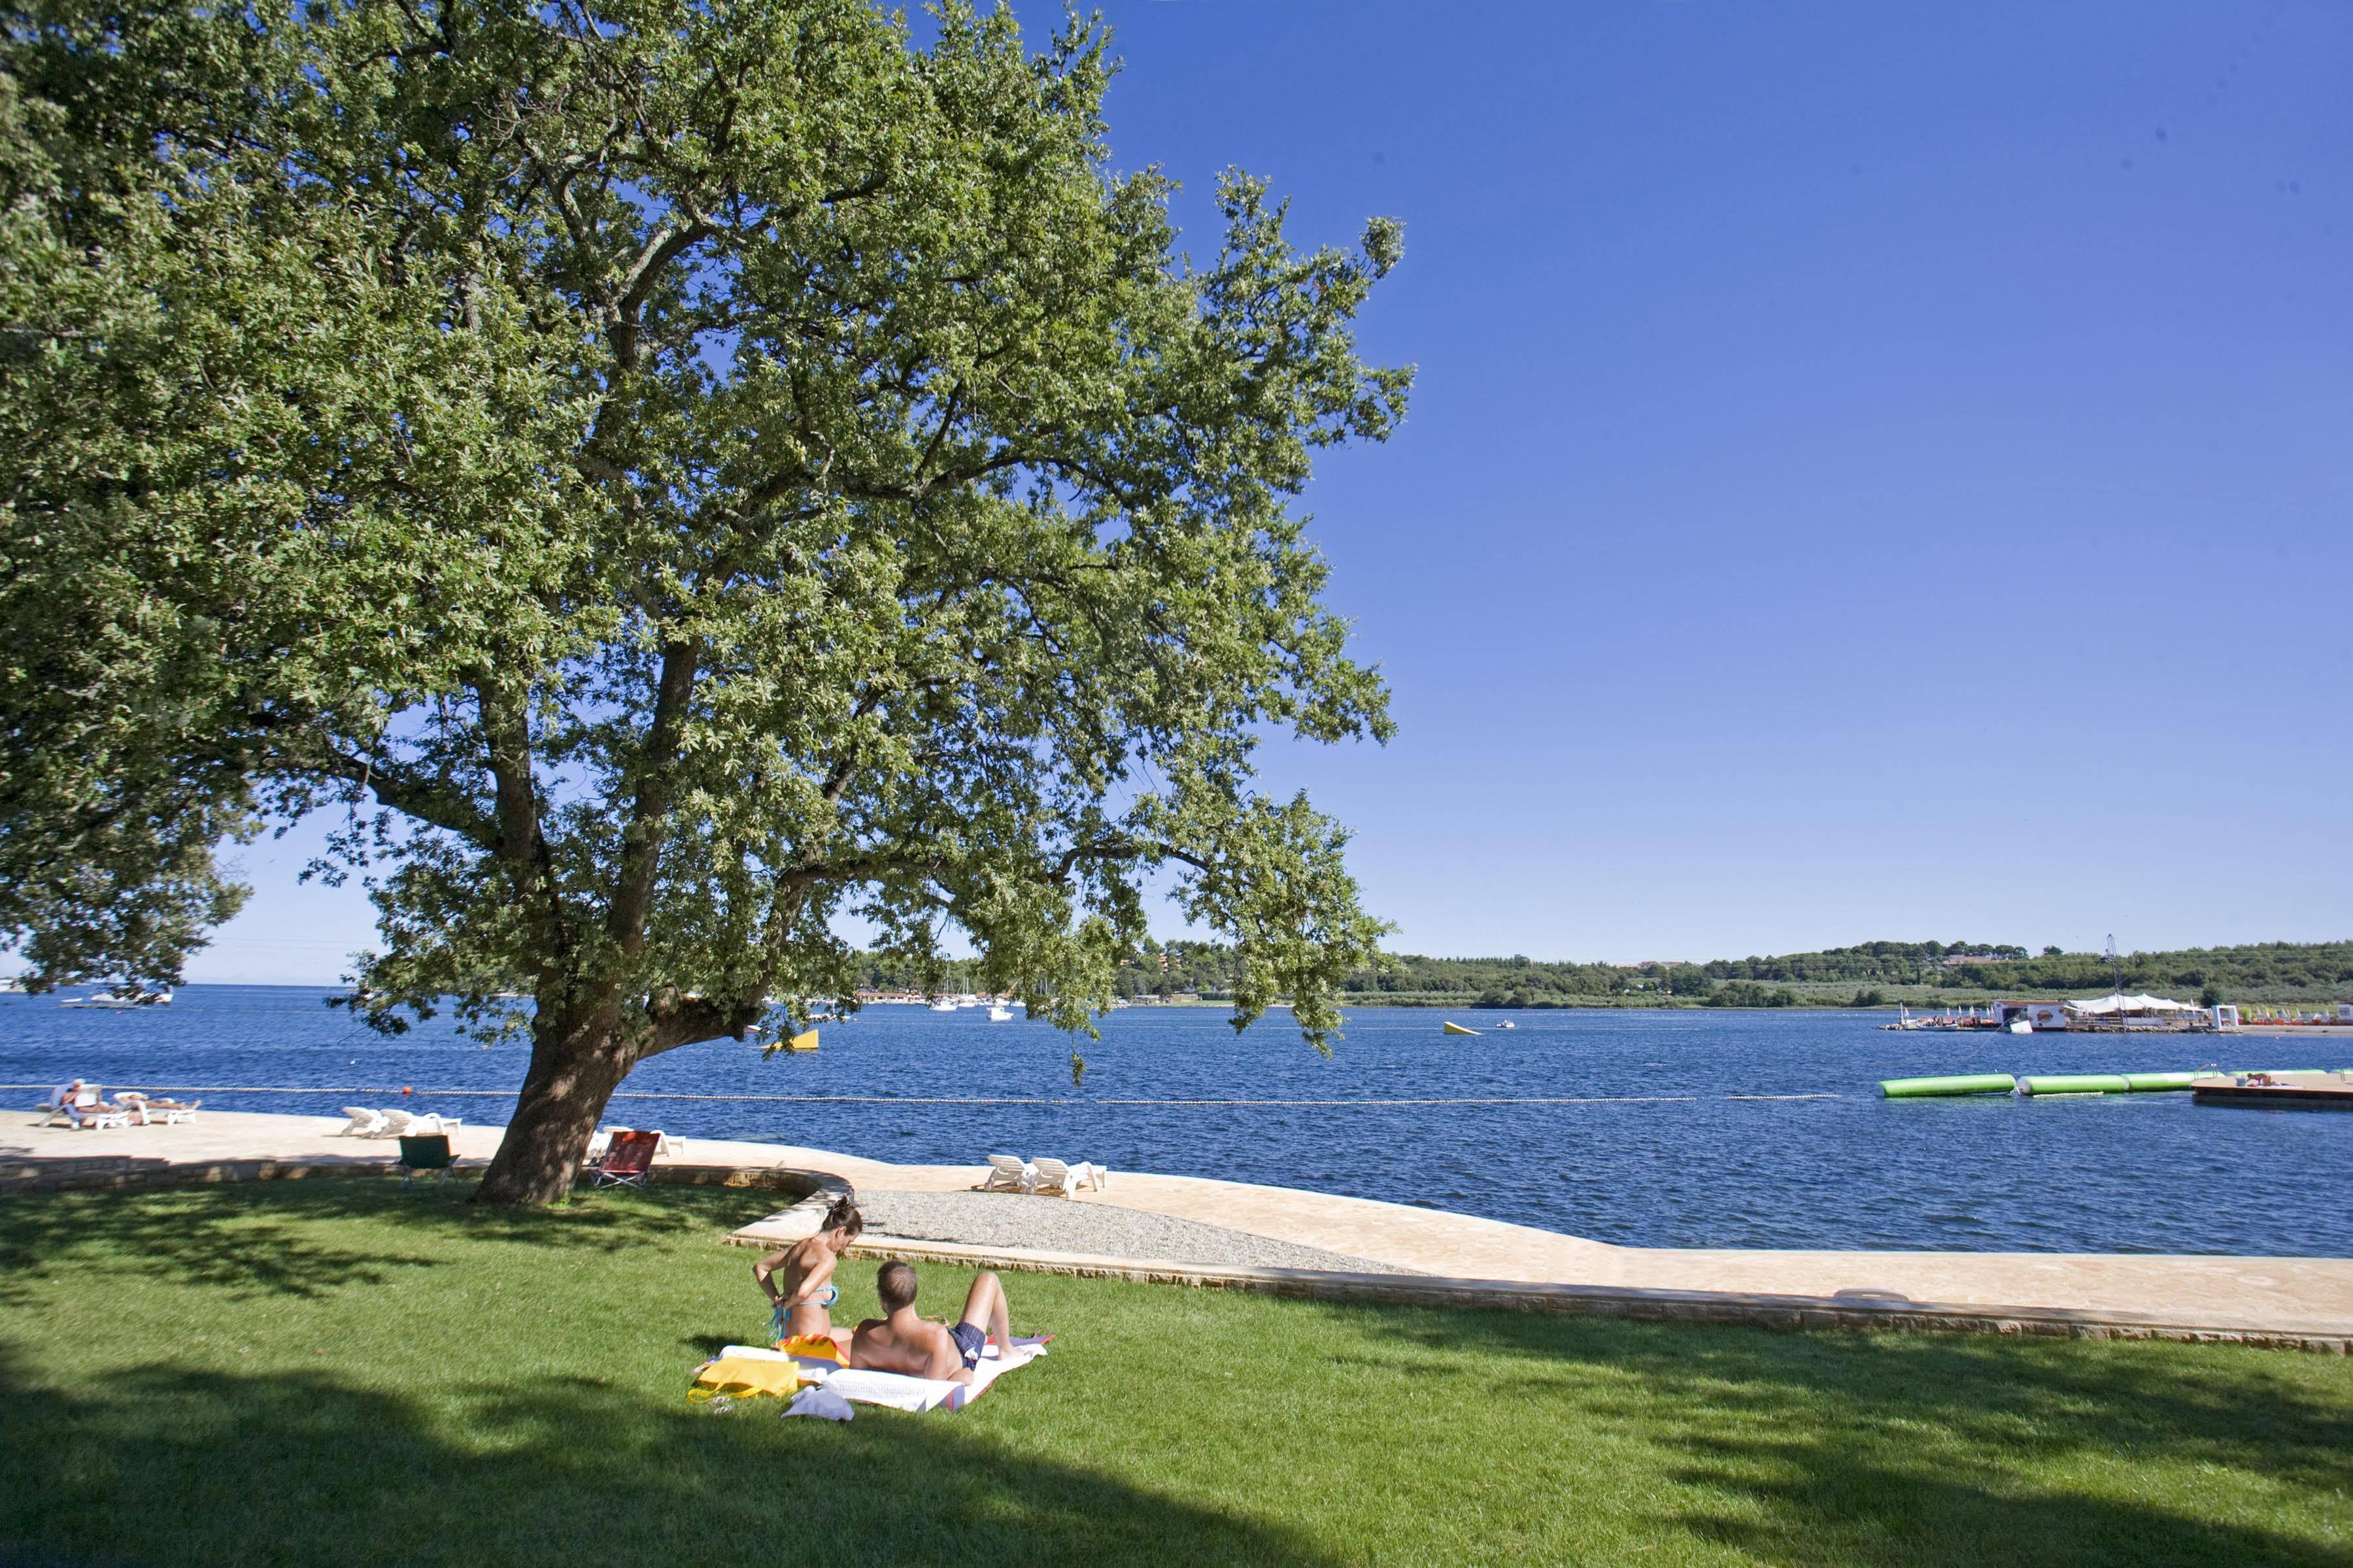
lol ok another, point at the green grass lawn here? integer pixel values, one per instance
(336, 1372)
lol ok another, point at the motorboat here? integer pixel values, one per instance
(119, 999)
(998, 1013)
(1507, 1024)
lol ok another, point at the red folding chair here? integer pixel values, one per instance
(627, 1160)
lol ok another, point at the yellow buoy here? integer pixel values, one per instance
(1455, 1029)
(802, 1042)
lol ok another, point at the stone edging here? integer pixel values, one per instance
(1785, 1312)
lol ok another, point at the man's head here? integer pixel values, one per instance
(843, 1222)
(896, 1284)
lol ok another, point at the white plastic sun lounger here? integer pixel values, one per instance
(148, 1114)
(363, 1124)
(89, 1109)
(1009, 1173)
(1053, 1176)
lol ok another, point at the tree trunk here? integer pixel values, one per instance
(576, 1066)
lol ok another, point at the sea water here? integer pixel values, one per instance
(1642, 1128)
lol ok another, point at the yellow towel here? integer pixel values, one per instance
(814, 1347)
(740, 1377)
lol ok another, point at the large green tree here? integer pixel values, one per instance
(673, 478)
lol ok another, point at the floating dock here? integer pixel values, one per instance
(2043, 1083)
(2305, 1089)
(2076, 1083)
(1936, 1088)
(2278, 1091)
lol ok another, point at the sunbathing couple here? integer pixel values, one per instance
(799, 1283)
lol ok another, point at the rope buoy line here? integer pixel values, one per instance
(975, 1099)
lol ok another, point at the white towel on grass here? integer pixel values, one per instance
(896, 1391)
(821, 1402)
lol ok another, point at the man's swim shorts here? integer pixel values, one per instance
(970, 1340)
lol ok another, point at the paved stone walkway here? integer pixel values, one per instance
(2286, 1295)
(1098, 1230)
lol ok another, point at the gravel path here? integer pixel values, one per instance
(1066, 1225)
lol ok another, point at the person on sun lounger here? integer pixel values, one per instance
(902, 1343)
(799, 1279)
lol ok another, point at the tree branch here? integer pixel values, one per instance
(642, 839)
(1124, 849)
(684, 1020)
(430, 801)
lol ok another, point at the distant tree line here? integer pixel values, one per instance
(2257, 972)
(1908, 963)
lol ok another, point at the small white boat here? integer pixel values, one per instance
(943, 1004)
(998, 1013)
(122, 999)
(1507, 1024)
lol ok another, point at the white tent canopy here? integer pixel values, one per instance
(2120, 1002)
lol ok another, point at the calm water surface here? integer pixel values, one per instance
(2149, 1172)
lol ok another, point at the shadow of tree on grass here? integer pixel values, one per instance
(1919, 1449)
(169, 1465)
(261, 1239)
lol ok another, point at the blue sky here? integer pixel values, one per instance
(1873, 472)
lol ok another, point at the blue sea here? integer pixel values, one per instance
(1666, 1149)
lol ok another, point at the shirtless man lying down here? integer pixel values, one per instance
(799, 1279)
(902, 1343)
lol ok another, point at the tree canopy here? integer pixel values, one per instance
(671, 476)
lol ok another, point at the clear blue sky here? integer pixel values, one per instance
(1872, 473)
